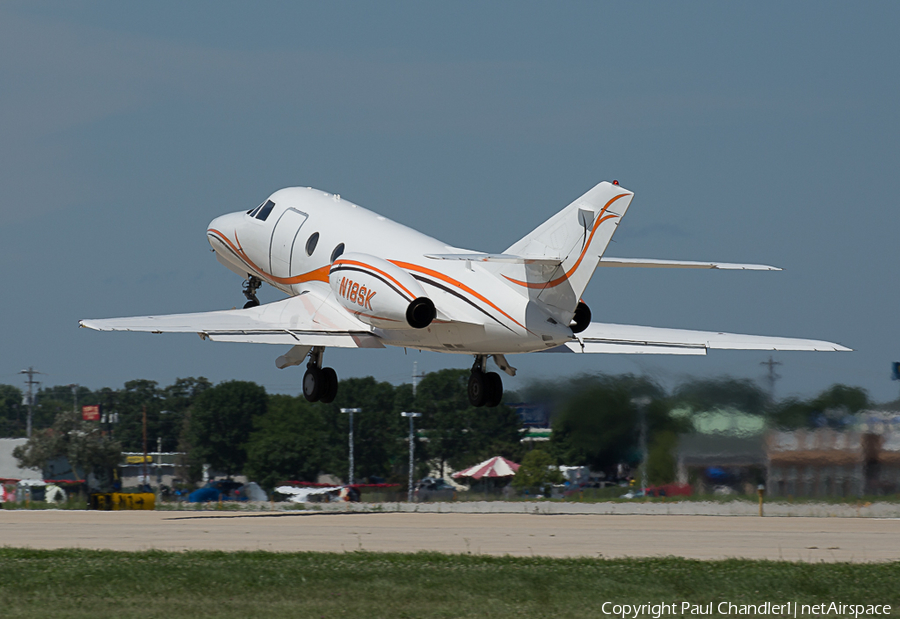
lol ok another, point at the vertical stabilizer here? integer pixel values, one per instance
(577, 236)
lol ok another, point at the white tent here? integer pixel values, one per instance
(495, 467)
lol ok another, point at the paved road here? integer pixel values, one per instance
(697, 537)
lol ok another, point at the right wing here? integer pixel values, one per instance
(607, 261)
(307, 319)
(631, 339)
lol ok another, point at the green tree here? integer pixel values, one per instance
(829, 407)
(537, 472)
(442, 400)
(723, 392)
(662, 466)
(11, 414)
(843, 397)
(83, 443)
(290, 441)
(458, 434)
(378, 432)
(129, 403)
(221, 421)
(598, 425)
(177, 399)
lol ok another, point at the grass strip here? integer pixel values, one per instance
(97, 584)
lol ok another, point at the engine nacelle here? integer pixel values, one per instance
(379, 293)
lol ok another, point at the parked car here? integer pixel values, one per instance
(219, 490)
(432, 489)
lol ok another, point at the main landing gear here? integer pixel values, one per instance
(319, 384)
(251, 285)
(485, 388)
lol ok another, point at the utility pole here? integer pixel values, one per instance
(642, 403)
(415, 377)
(146, 479)
(351, 411)
(412, 447)
(159, 461)
(772, 377)
(30, 396)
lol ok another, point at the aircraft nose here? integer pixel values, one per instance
(221, 229)
(217, 224)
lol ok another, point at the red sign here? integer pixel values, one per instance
(90, 413)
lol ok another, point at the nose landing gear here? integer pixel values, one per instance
(319, 384)
(485, 388)
(251, 285)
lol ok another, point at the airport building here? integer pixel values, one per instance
(861, 459)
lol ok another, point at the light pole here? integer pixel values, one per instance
(412, 447)
(351, 411)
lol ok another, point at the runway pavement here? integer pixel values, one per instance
(696, 537)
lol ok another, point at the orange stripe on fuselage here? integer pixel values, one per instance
(449, 280)
(379, 271)
(320, 274)
(556, 282)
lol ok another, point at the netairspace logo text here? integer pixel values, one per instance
(787, 609)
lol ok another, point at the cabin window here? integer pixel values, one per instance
(311, 243)
(337, 252)
(264, 211)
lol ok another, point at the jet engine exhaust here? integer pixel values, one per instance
(420, 313)
(582, 318)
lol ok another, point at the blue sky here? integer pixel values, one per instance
(748, 132)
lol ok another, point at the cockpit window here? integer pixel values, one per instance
(337, 252)
(311, 243)
(264, 211)
(253, 211)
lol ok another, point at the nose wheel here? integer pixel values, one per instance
(251, 285)
(485, 388)
(319, 384)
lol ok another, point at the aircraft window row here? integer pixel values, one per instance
(311, 243)
(264, 210)
(337, 252)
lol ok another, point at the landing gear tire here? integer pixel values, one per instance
(485, 389)
(252, 303)
(320, 385)
(329, 386)
(477, 388)
(494, 389)
(312, 384)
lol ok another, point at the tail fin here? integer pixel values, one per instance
(577, 236)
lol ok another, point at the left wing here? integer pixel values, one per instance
(304, 320)
(631, 339)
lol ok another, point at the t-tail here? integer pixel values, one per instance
(567, 248)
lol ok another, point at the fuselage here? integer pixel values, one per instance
(303, 239)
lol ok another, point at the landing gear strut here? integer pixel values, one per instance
(485, 388)
(319, 384)
(251, 285)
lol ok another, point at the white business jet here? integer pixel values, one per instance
(359, 280)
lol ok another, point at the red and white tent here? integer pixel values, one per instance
(498, 466)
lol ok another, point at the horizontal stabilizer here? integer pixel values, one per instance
(303, 320)
(632, 339)
(501, 258)
(607, 261)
